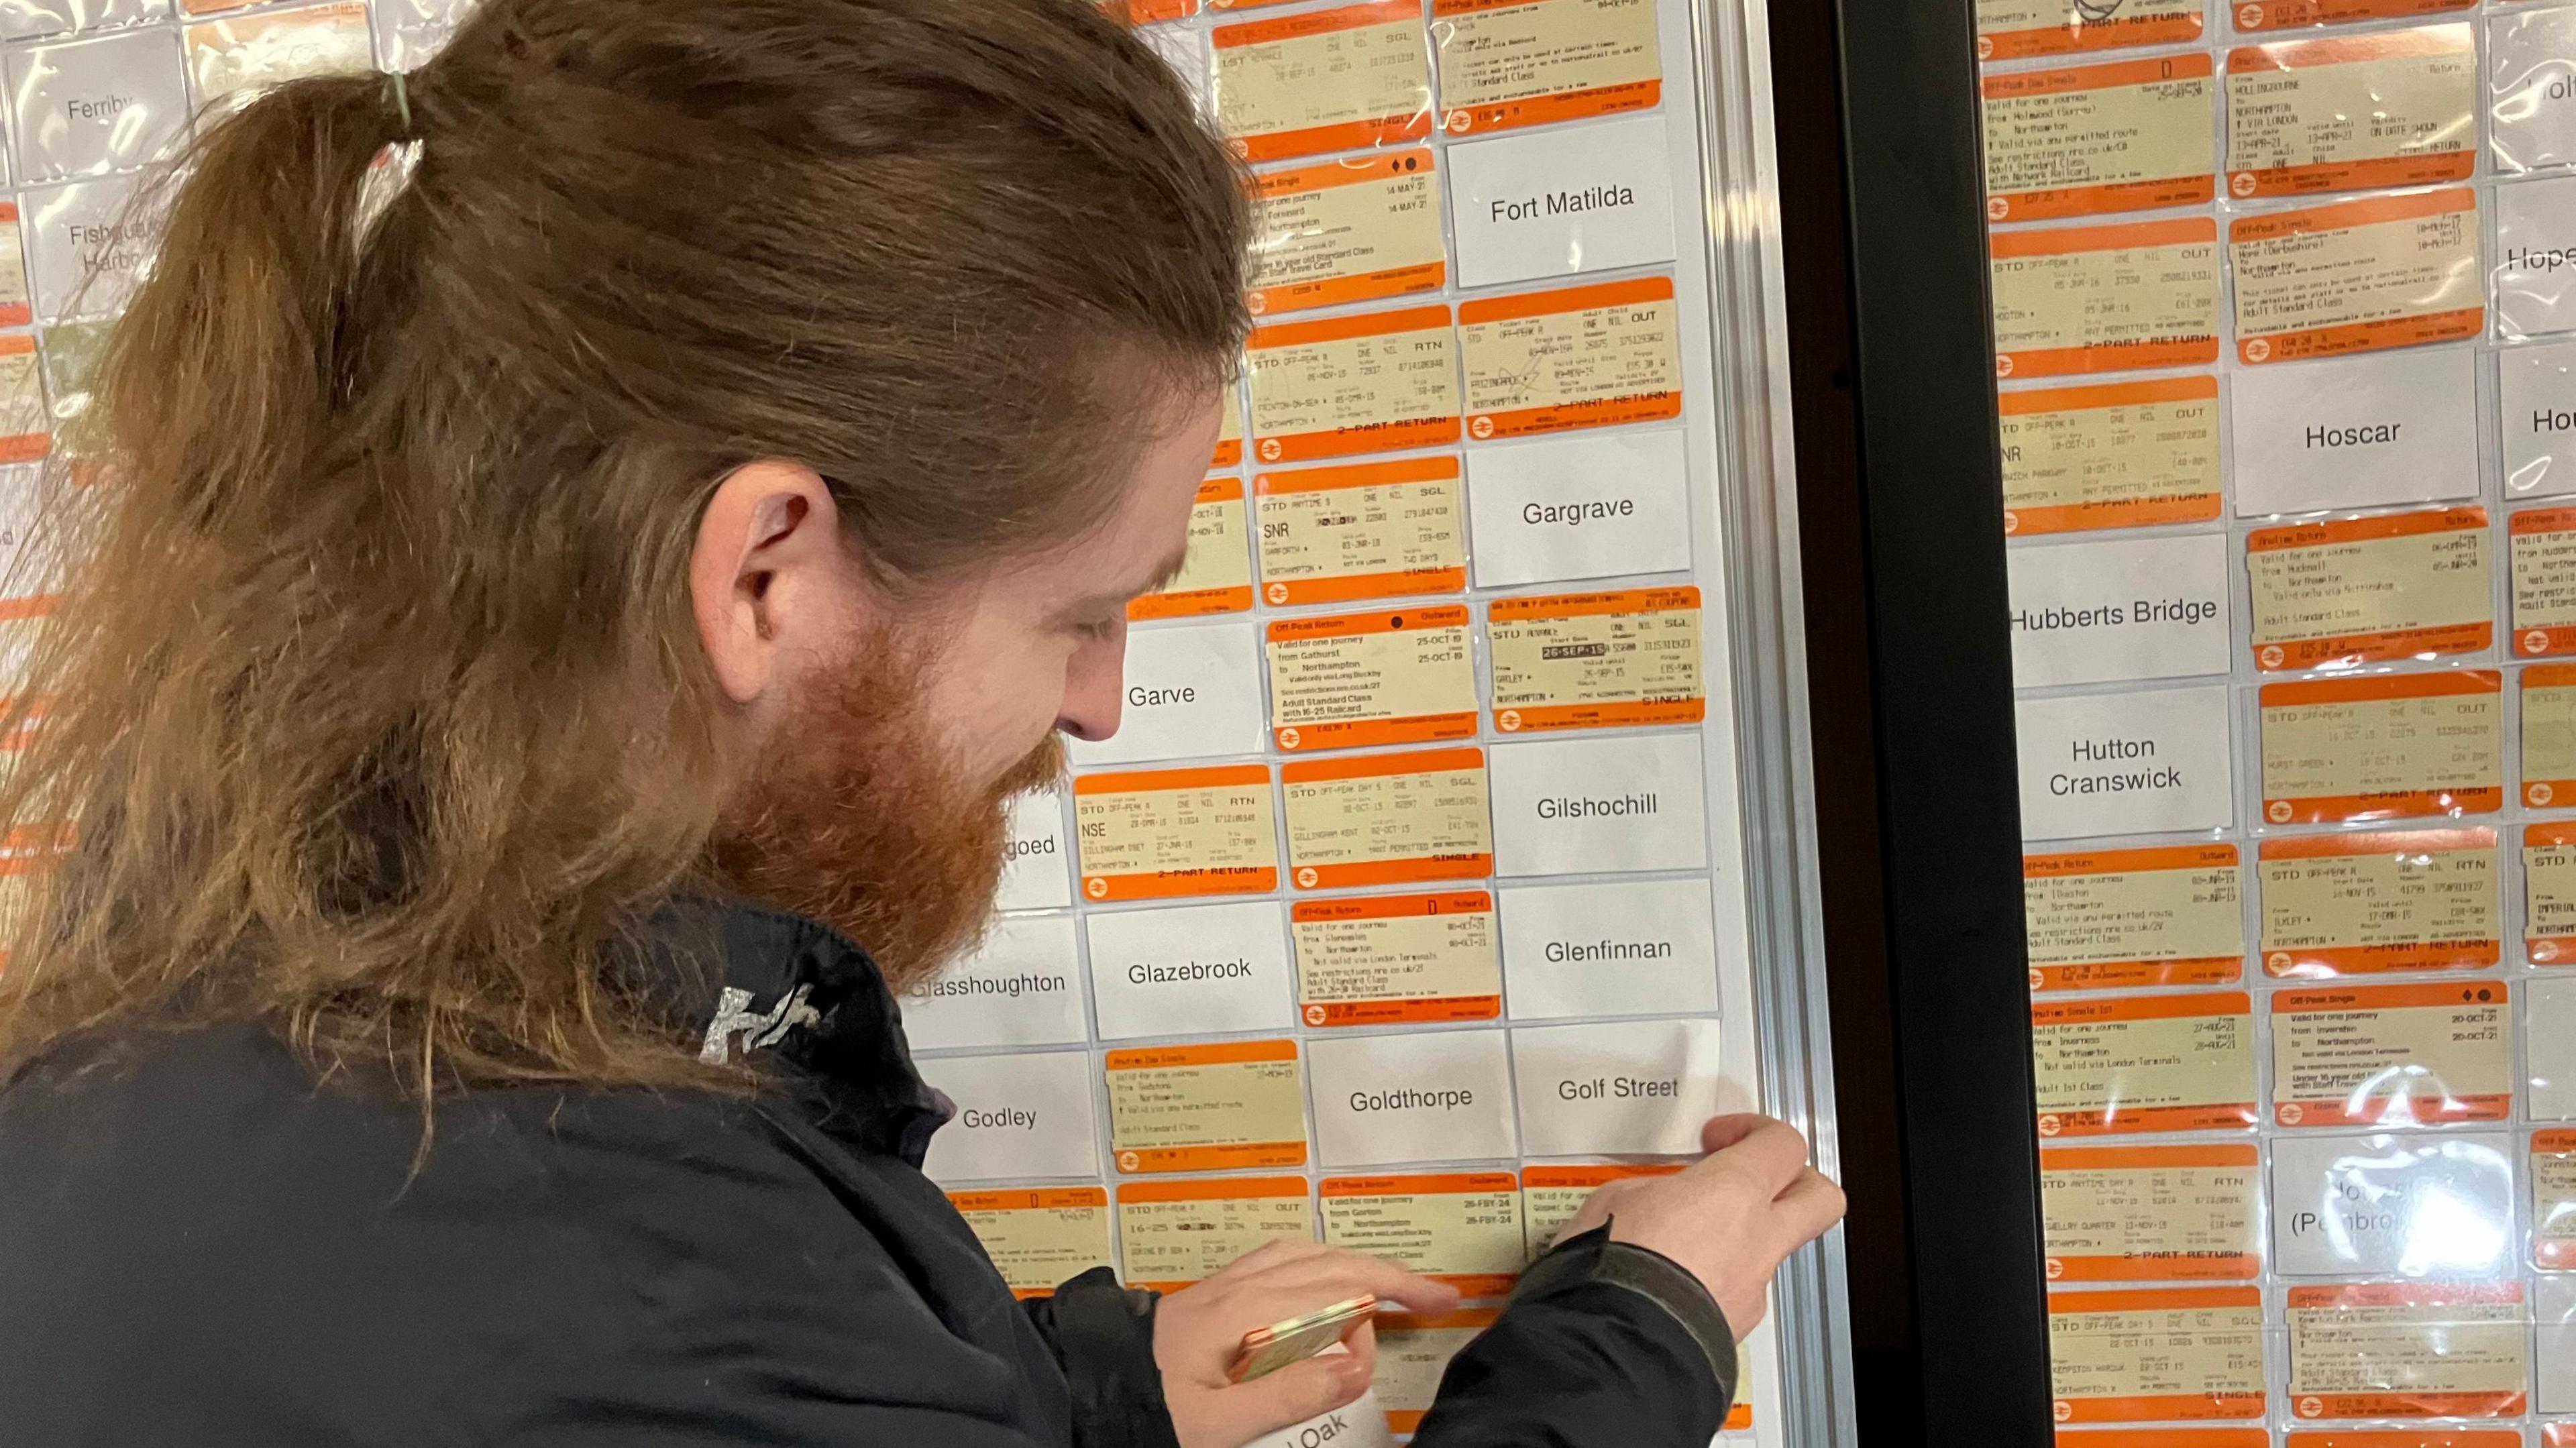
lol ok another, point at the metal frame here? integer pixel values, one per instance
(1759, 525)
(1941, 668)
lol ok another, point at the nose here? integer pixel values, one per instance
(1094, 681)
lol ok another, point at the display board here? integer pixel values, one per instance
(1409, 903)
(2279, 291)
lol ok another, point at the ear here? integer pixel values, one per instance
(769, 577)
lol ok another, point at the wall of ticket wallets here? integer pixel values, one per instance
(1407, 905)
(2286, 344)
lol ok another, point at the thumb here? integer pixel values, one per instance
(1292, 1395)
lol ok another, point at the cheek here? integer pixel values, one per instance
(996, 712)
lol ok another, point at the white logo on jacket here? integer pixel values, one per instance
(756, 1029)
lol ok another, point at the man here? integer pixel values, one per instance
(535, 624)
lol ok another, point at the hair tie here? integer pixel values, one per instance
(399, 83)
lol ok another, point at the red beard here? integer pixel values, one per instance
(857, 818)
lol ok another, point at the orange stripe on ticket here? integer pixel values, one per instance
(2123, 862)
(2370, 211)
(2349, 49)
(1343, 329)
(1214, 1053)
(1347, 171)
(2542, 520)
(1219, 776)
(2146, 1158)
(1589, 605)
(2394, 842)
(1357, 475)
(1044, 1199)
(2164, 1438)
(1358, 625)
(1570, 299)
(2282, 14)
(1458, 1183)
(2095, 77)
(2067, 241)
(2145, 1008)
(2364, 530)
(1542, 1178)
(1391, 907)
(1227, 1189)
(2415, 1438)
(2166, 1299)
(2388, 998)
(2405, 1294)
(2111, 394)
(2547, 836)
(2383, 688)
(1381, 766)
(1318, 22)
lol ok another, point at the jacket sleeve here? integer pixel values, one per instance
(1103, 1336)
(1604, 1345)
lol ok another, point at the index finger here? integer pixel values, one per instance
(1771, 1152)
(1335, 1275)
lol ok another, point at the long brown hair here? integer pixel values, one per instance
(373, 696)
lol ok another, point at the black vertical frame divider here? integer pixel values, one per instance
(1941, 682)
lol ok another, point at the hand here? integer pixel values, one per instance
(1731, 1218)
(1198, 1330)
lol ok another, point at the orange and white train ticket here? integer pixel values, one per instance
(16, 302)
(1373, 382)
(2444, 1437)
(1175, 1233)
(2347, 904)
(2164, 915)
(1364, 680)
(2152, 1213)
(1217, 1107)
(2357, 276)
(2105, 298)
(1587, 356)
(1507, 63)
(2553, 1199)
(2115, 455)
(2548, 734)
(2544, 582)
(2163, 1355)
(2409, 1350)
(1462, 1228)
(2392, 1055)
(2151, 1063)
(2023, 29)
(2176, 1438)
(2366, 590)
(1551, 1195)
(2549, 893)
(2131, 135)
(1324, 80)
(1363, 530)
(2389, 747)
(26, 432)
(1593, 660)
(1377, 959)
(1216, 574)
(1351, 229)
(1166, 833)
(1387, 819)
(1039, 1239)
(1413, 1352)
(2287, 14)
(2396, 108)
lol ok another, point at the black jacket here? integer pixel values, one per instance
(200, 1245)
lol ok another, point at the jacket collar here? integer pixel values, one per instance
(798, 1001)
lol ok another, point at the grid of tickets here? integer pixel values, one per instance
(1404, 909)
(2285, 313)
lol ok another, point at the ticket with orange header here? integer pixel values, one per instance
(2114, 455)
(2409, 1350)
(2549, 893)
(1587, 356)
(1039, 1239)
(2148, 1064)
(1168, 833)
(1596, 660)
(2548, 735)
(1510, 63)
(1377, 959)
(1216, 574)
(1174, 1233)
(2153, 1213)
(2288, 14)
(2356, 276)
(2366, 590)
(2173, 1438)
(2129, 135)
(2553, 1199)
(1223, 1106)
(1349, 229)
(2544, 582)
(2364, 904)
(1388, 819)
(1413, 1351)
(1462, 1228)
(2387, 747)
(2025, 29)
(2162, 915)
(2352, 112)
(17, 304)
(1364, 680)
(2392, 1055)
(1324, 80)
(1371, 382)
(2140, 294)
(1363, 530)
(2161, 1355)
